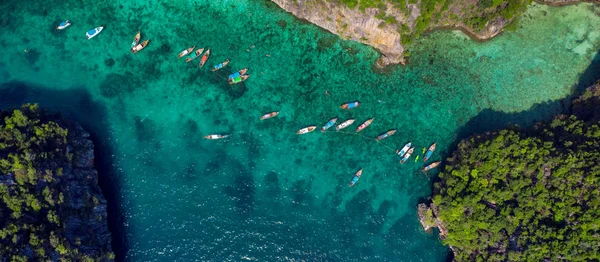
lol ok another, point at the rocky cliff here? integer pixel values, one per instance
(390, 26)
(51, 207)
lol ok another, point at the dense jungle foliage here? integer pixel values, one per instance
(524, 197)
(33, 208)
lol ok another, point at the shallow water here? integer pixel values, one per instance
(266, 193)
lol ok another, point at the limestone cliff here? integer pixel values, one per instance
(390, 26)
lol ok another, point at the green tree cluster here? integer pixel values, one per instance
(513, 196)
(32, 153)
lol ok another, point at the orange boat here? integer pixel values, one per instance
(185, 52)
(204, 58)
(431, 166)
(305, 130)
(139, 47)
(364, 125)
(269, 115)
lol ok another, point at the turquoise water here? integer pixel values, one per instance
(266, 193)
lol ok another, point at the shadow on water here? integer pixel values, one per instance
(490, 120)
(77, 104)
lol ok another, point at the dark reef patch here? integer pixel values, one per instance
(117, 84)
(242, 191)
(145, 129)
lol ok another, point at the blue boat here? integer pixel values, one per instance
(63, 25)
(350, 105)
(329, 124)
(385, 135)
(407, 156)
(93, 32)
(356, 177)
(221, 65)
(429, 152)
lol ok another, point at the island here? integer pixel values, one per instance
(51, 207)
(524, 195)
(390, 26)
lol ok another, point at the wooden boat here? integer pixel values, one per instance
(429, 152)
(329, 124)
(305, 130)
(195, 55)
(215, 136)
(269, 115)
(431, 166)
(350, 105)
(385, 135)
(238, 73)
(186, 51)
(221, 65)
(63, 25)
(139, 47)
(356, 177)
(238, 79)
(94, 32)
(136, 39)
(407, 156)
(204, 58)
(364, 125)
(344, 124)
(404, 149)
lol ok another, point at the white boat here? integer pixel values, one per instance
(94, 32)
(215, 136)
(344, 124)
(410, 151)
(305, 130)
(404, 149)
(63, 25)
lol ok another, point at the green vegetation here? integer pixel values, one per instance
(33, 208)
(512, 196)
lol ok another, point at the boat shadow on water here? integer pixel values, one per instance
(77, 104)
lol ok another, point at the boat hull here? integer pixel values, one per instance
(94, 32)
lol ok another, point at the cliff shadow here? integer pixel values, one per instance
(77, 104)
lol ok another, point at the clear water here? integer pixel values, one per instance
(266, 193)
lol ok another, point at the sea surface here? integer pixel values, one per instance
(265, 193)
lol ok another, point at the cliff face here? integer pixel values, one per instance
(390, 27)
(51, 207)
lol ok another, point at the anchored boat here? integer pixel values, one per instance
(385, 135)
(305, 130)
(215, 136)
(269, 115)
(431, 166)
(407, 156)
(63, 25)
(94, 32)
(429, 152)
(364, 125)
(356, 177)
(139, 47)
(404, 149)
(329, 124)
(221, 65)
(350, 105)
(204, 58)
(186, 51)
(136, 39)
(344, 124)
(195, 55)
(238, 79)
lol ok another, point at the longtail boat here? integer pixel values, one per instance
(356, 177)
(186, 51)
(431, 166)
(385, 135)
(204, 58)
(195, 55)
(136, 39)
(238, 73)
(219, 66)
(364, 125)
(139, 47)
(429, 152)
(350, 105)
(238, 79)
(344, 124)
(407, 156)
(63, 25)
(269, 115)
(215, 136)
(404, 149)
(305, 130)
(329, 124)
